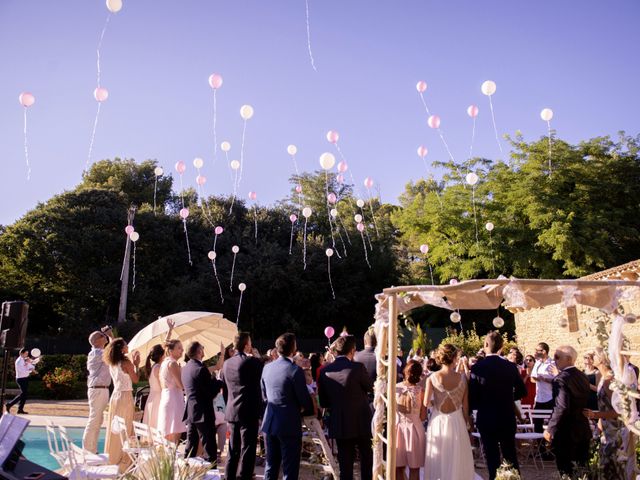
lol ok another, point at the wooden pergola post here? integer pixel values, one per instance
(392, 378)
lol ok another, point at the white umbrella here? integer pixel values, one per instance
(210, 329)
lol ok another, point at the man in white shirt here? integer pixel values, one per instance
(98, 383)
(543, 373)
(24, 368)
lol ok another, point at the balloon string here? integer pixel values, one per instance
(26, 148)
(104, 30)
(495, 129)
(304, 245)
(133, 288)
(346, 232)
(473, 136)
(333, 293)
(235, 191)
(326, 191)
(181, 192)
(475, 218)
(233, 268)
(239, 306)
(445, 144)
(255, 222)
(215, 274)
(295, 165)
(244, 130)
(226, 155)
(155, 189)
(430, 270)
(93, 136)
(215, 117)
(368, 237)
(291, 239)
(424, 103)
(364, 246)
(548, 129)
(375, 224)
(313, 63)
(344, 246)
(186, 235)
(124, 260)
(493, 269)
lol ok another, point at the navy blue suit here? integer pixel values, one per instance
(284, 390)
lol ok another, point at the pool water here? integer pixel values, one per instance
(37, 449)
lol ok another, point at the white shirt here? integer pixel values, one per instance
(23, 368)
(542, 370)
(99, 375)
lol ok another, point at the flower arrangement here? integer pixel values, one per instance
(60, 381)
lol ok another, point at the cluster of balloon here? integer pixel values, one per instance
(360, 205)
(546, 115)
(327, 161)
(246, 112)
(26, 99)
(235, 249)
(472, 180)
(361, 228)
(198, 163)
(215, 82)
(329, 332)
(132, 236)
(292, 150)
(313, 63)
(242, 287)
(252, 196)
(181, 167)
(332, 138)
(424, 249)
(157, 172)
(472, 111)
(489, 228)
(332, 199)
(488, 88)
(433, 121)
(293, 218)
(212, 256)
(329, 253)
(368, 184)
(306, 213)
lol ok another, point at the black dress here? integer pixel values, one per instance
(593, 396)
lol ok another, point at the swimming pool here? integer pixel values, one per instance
(37, 449)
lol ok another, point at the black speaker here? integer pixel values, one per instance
(13, 324)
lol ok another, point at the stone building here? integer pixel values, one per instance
(551, 324)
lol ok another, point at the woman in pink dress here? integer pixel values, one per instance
(156, 355)
(410, 432)
(171, 408)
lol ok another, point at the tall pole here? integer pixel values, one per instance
(391, 386)
(124, 287)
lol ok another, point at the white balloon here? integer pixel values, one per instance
(225, 146)
(498, 322)
(455, 317)
(471, 178)
(546, 114)
(242, 287)
(246, 112)
(198, 162)
(114, 6)
(306, 212)
(327, 161)
(329, 252)
(35, 352)
(357, 217)
(489, 226)
(134, 236)
(292, 149)
(360, 203)
(235, 164)
(334, 212)
(212, 255)
(158, 171)
(235, 249)
(488, 88)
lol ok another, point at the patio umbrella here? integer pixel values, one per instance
(210, 329)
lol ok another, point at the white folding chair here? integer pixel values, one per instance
(81, 470)
(89, 457)
(56, 452)
(143, 433)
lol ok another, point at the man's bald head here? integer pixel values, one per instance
(98, 339)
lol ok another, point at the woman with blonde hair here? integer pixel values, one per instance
(124, 373)
(171, 407)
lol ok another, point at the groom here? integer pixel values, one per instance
(493, 387)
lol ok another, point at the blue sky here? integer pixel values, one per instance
(579, 58)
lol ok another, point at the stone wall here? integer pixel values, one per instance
(542, 325)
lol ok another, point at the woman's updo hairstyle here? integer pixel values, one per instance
(169, 345)
(413, 372)
(446, 354)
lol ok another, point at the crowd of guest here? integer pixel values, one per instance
(257, 403)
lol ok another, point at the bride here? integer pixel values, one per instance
(448, 447)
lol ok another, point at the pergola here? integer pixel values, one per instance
(514, 294)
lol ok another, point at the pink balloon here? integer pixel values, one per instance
(299, 188)
(424, 248)
(180, 167)
(340, 178)
(360, 227)
(333, 136)
(201, 180)
(26, 99)
(184, 213)
(101, 94)
(368, 182)
(215, 81)
(218, 230)
(434, 121)
(331, 198)
(293, 217)
(421, 86)
(329, 332)
(252, 195)
(342, 166)
(422, 151)
(473, 111)
(129, 229)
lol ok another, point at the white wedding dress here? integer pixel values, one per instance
(449, 454)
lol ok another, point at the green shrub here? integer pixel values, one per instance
(75, 363)
(470, 342)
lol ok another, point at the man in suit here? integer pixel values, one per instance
(284, 389)
(494, 386)
(241, 375)
(568, 430)
(200, 389)
(343, 387)
(367, 357)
